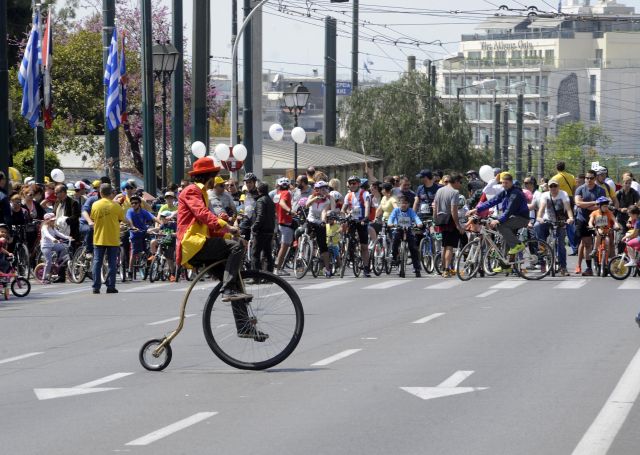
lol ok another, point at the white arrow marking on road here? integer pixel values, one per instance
(428, 318)
(170, 429)
(448, 387)
(82, 389)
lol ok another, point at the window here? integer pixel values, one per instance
(447, 85)
(470, 110)
(549, 56)
(544, 108)
(486, 111)
(489, 55)
(599, 55)
(516, 55)
(501, 55)
(474, 55)
(592, 111)
(544, 85)
(592, 84)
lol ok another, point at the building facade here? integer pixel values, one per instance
(581, 64)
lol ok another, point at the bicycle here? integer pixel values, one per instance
(160, 269)
(618, 268)
(19, 285)
(350, 249)
(381, 253)
(554, 226)
(58, 262)
(403, 249)
(429, 246)
(21, 250)
(250, 335)
(600, 252)
(306, 254)
(534, 262)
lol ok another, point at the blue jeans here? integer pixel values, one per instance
(542, 232)
(86, 232)
(571, 235)
(98, 257)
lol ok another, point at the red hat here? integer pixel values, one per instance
(204, 165)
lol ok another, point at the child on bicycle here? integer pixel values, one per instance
(333, 236)
(50, 242)
(404, 217)
(631, 238)
(603, 221)
(167, 226)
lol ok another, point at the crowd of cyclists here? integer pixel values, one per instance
(314, 224)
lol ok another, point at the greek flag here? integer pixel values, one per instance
(112, 81)
(29, 77)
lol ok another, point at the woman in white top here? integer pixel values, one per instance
(50, 242)
(319, 204)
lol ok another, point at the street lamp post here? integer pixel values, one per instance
(165, 62)
(295, 101)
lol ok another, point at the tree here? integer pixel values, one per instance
(406, 125)
(575, 144)
(24, 161)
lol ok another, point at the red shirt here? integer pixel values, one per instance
(283, 215)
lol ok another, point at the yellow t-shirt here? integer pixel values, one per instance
(107, 216)
(333, 234)
(387, 204)
(566, 182)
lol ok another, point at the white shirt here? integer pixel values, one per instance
(558, 203)
(316, 208)
(492, 189)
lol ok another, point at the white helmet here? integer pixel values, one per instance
(321, 184)
(336, 195)
(282, 181)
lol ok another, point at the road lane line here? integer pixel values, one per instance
(327, 284)
(111, 377)
(170, 429)
(20, 357)
(387, 284)
(164, 321)
(428, 318)
(147, 286)
(629, 284)
(66, 291)
(508, 284)
(487, 293)
(570, 284)
(602, 432)
(445, 284)
(335, 358)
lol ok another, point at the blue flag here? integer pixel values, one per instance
(112, 81)
(29, 77)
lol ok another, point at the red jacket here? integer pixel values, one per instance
(192, 208)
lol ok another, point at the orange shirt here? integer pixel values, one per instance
(602, 219)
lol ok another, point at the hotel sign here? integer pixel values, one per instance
(507, 45)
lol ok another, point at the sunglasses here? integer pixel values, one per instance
(553, 186)
(528, 182)
(589, 178)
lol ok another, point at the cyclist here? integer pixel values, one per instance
(263, 229)
(333, 236)
(303, 191)
(447, 220)
(609, 187)
(284, 212)
(555, 206)
(50, 243)
(357, 204)
(586, 196)
(139, 220)
(473, 182)
(387, 203)
(170, 203)
(603, 221)
(515, 214)
(220, 201)
(319, 204)
(67, 211)
(167, 226)
(404, 217)
(632, 236)
(627, 197)
(248, 205)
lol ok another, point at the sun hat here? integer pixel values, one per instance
(204, 165)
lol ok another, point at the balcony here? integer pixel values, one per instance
(542, 34)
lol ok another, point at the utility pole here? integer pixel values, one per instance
(177, 98)
(519, 125)
(354, 45)
(330, 50)
(247, 112)
(433, 78)
(255, 164)
(529, 159)
(150, 183)
(541, 173)
(200, 71)
(111, 142)
(4, 94)
(411, 63)
(497, 109)
(505, 139)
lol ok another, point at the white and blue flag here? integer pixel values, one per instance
(112, 81)
(29, 76)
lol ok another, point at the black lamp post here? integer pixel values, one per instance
(296, 100)
(165, 62)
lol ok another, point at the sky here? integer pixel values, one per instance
(293, 32)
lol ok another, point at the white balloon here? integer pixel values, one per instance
(198, 149)
(57, 175)
(276, 132)
(239, 152)
(298, 134)
(222, 152)
(486, 173)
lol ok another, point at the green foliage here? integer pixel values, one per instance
(575, 144)
(24, 161)
(406, 125)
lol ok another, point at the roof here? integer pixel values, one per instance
(501, 23)
(546, 22)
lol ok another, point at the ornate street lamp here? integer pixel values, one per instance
(165, 62)
(295, 101)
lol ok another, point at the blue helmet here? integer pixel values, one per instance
(602, 200)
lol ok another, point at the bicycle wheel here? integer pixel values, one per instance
(402, 258)
(356, 262)
(437, 263)
(490, 261)
(618, 269)
(154, 362)
(23, 268)
(315, 266)
(20, 286)
(154, 270)
(259, 334)
(302, 259)
(468, 262)
(379, 254)
(38, 272)
(344, 258)
(603, 260)
(535, 261)
(78, 269)
(426, 258)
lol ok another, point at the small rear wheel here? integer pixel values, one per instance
(38, 272)
(618, 268)
(535, 261)
(468, 262)
(20, 286)
(152, 361)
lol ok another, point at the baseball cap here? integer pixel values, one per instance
(425, 173)
(170, 194)
(218, 181)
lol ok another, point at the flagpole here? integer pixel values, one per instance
(4, 90)
(38, 161)
(111, 142)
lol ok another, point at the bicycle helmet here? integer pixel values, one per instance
(321, 184)
(282, 181)
(336, 195)
(251, 176)
(364, 181)
(353, 178)
(332, 215)
(80, 185)
(602, 200)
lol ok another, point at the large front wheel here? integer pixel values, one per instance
(535, 261)
(468, 262)
(618, 268)
(302, 260)
(258, 334)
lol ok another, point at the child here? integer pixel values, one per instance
(5, 257)
(167, 226)
(405, 217)
(631, 237)
(50, 243)
(333, 237)
(603, 220)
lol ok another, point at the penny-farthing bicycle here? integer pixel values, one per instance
(253, 334)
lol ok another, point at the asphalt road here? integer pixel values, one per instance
(385, 366)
